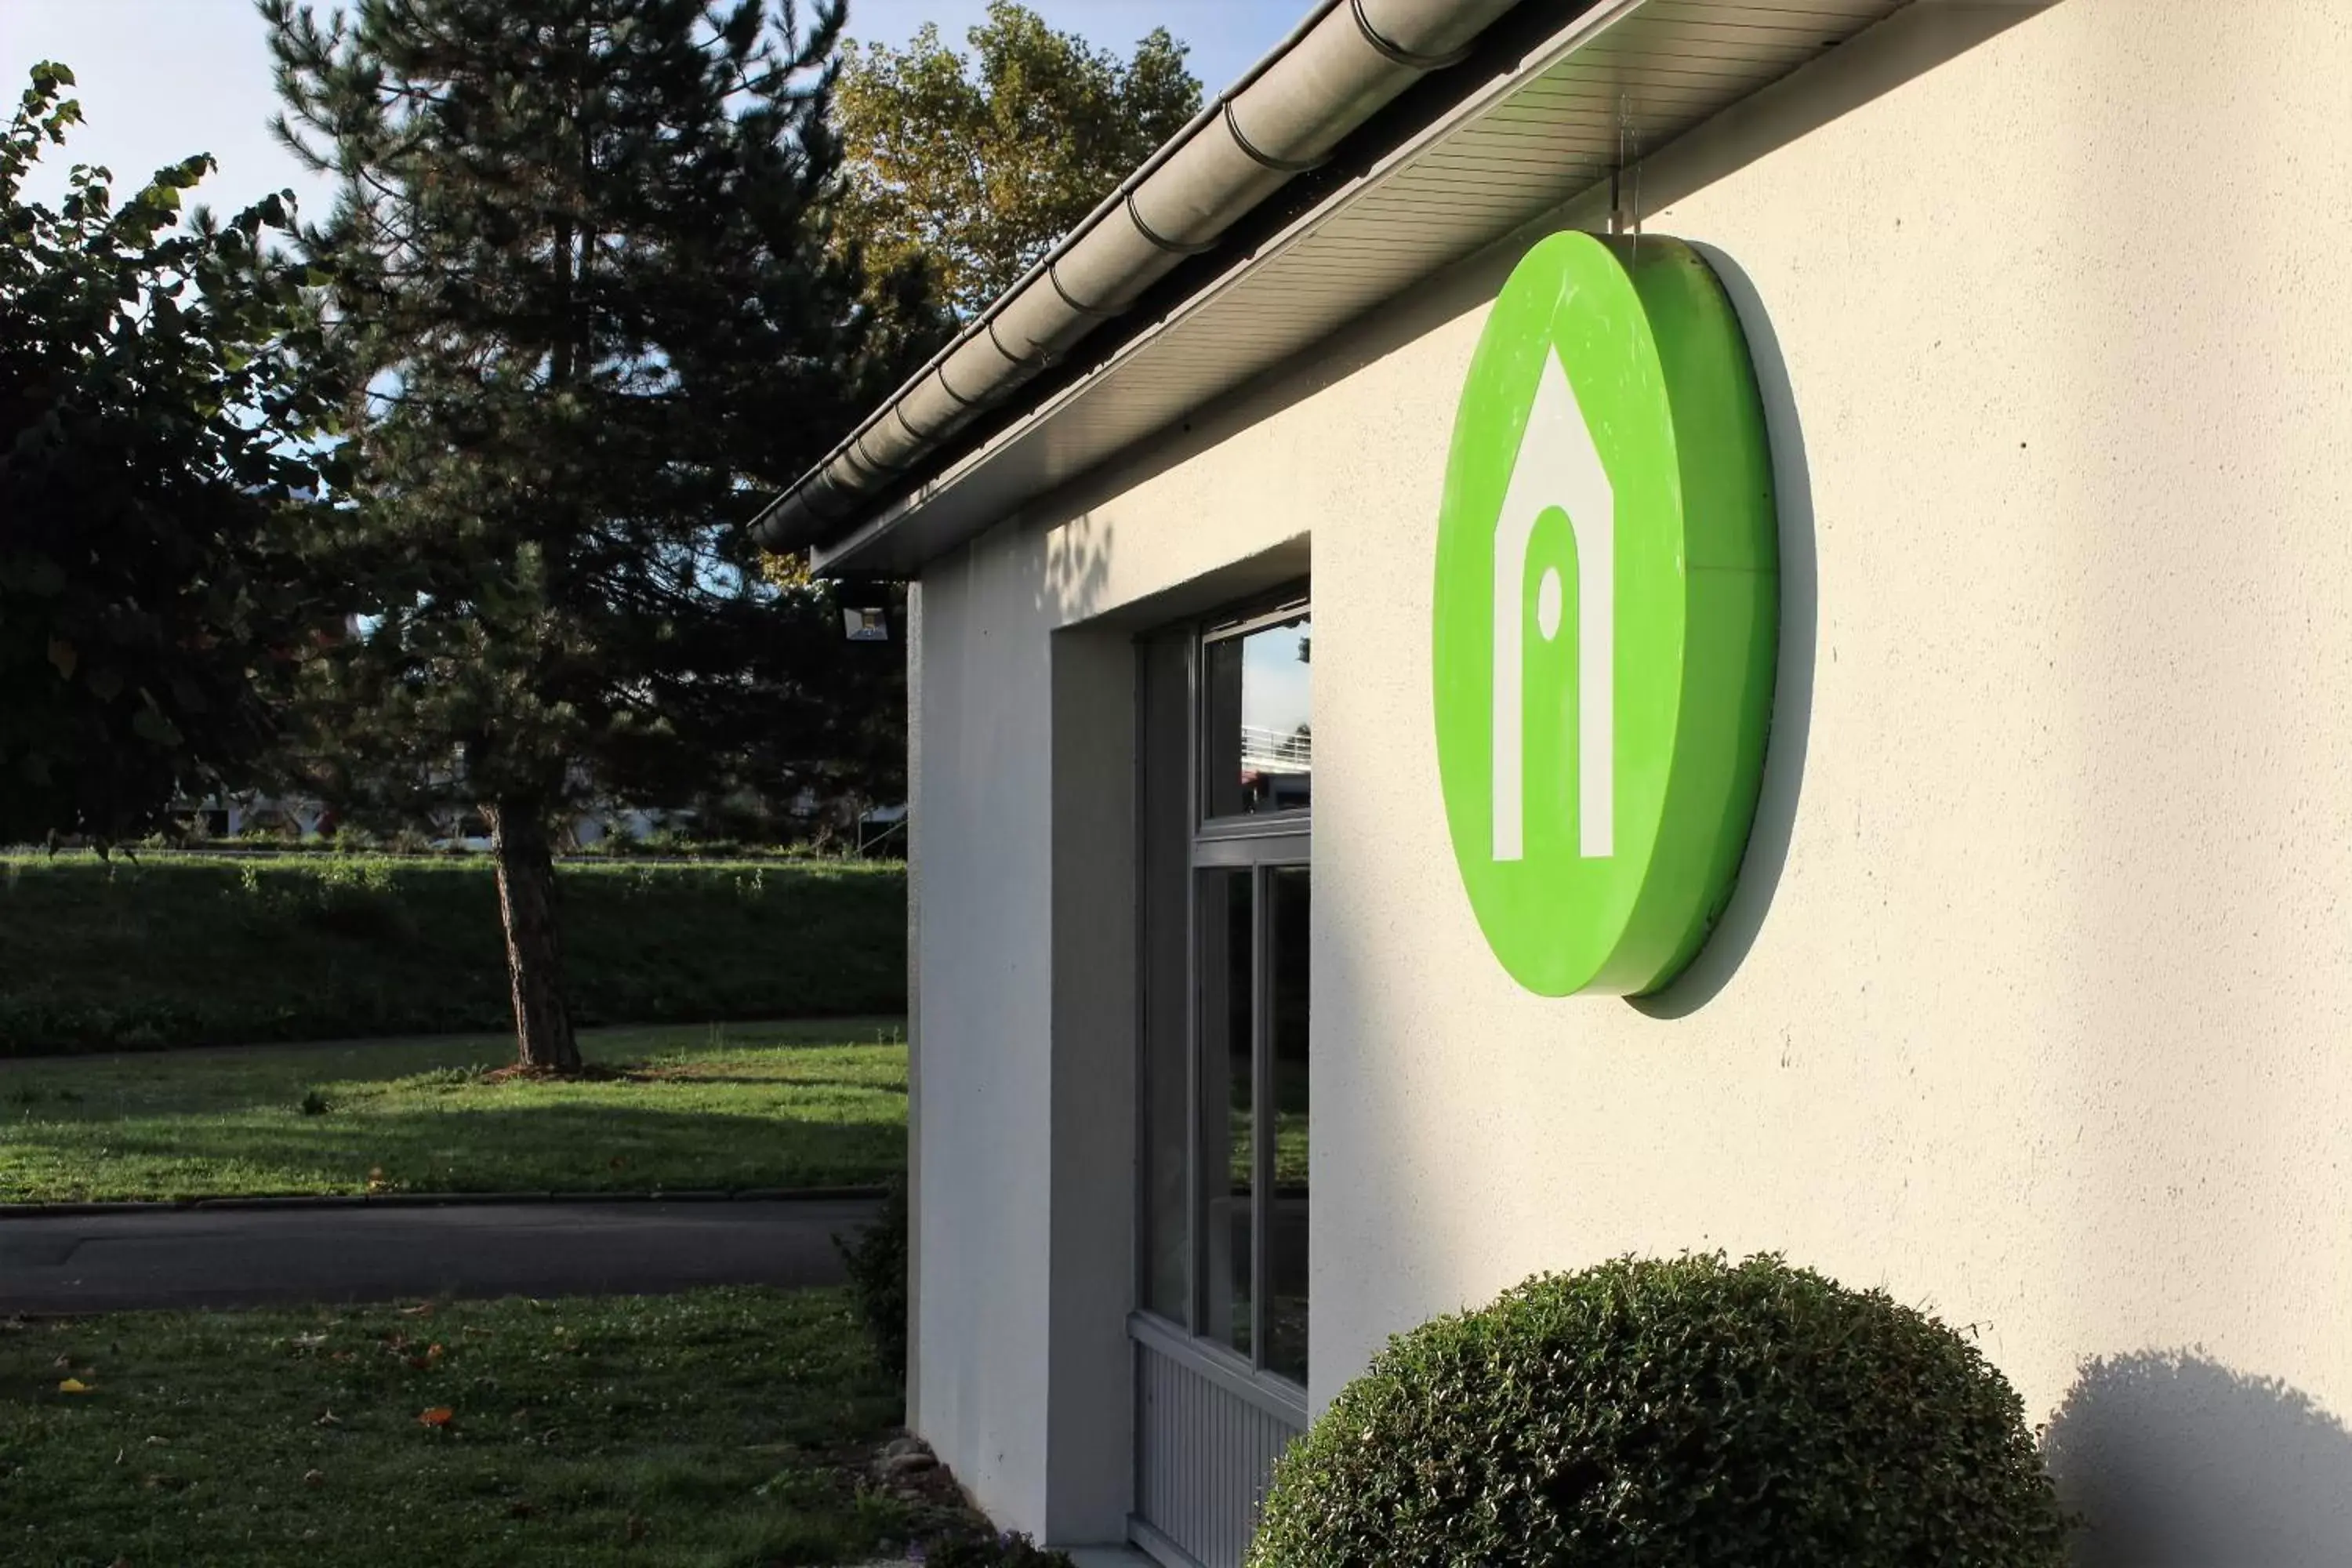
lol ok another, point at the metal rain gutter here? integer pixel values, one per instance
(1342, 63)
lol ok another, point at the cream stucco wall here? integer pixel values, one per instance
(2035, 1005)
(1023, 694)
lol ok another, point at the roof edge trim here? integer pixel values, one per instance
(1343, 63)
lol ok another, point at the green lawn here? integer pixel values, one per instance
(718, 1427)
(776, 1105)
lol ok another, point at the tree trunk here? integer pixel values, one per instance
(543, 1037)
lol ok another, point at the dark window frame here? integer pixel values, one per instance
(1271, 610)
(1258, 843)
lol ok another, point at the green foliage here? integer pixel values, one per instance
(876, 1260)
(164, 414)
(974, 166)
(194, 951)
(717, 1427)
(584, 251)
(1664, 1412)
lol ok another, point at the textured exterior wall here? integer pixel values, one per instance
(983, 1033)
(1024, 1104)
(2044, 1011)
(2034, 1004)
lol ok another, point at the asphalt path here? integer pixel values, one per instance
(246, 1258)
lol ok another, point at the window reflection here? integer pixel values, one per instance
(1227, 1124)
(1258, 738)
(1224, 980)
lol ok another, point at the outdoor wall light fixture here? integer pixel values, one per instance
(864, 625)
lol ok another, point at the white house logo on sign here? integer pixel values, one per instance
(1557, 466)
(1599, 784)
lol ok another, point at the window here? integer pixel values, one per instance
(1257, 747)
(1228, 786)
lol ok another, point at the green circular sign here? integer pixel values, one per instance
(1605, 616)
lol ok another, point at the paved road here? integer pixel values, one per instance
(236, 1258)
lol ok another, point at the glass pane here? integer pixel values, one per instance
(1227, 1143)
(1288, 901)
(1257, 740)
(1167, 979)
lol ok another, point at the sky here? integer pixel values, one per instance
(1277, 690)
(159, 79)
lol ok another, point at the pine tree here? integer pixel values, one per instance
(583, 249)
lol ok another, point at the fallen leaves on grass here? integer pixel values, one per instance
(73, 1385)
(235, 1397)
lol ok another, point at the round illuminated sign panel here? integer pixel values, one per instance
(1606, 614)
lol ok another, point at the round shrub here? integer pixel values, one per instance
(1686, 1412)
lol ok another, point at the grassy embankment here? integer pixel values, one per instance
(190, 950)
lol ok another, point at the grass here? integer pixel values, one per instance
(777, 1105)
(1289, 1149)
(715, 1427)
(196, 951)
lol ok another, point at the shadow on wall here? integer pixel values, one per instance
(1077, 569)
(1792, 685)
(2176, 1461)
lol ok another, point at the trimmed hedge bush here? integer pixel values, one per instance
(1681, 1412)
(875, 1261)
(187, 951)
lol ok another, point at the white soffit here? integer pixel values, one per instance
(1630, 74)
